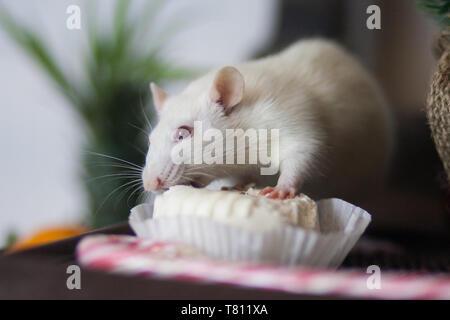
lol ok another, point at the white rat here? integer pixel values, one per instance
(335, 125)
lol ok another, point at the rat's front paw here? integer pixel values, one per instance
(278, 193)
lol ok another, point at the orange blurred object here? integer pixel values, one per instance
(47, 235)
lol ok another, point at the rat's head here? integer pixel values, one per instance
(210, 105)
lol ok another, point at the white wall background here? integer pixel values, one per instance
(40, 135)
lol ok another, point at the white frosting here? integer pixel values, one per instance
(250, 210)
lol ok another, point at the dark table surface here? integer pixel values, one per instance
(40, 273)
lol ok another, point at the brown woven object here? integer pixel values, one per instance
(438, 101)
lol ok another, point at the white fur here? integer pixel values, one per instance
(335, 127)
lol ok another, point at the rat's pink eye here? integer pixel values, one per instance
(182, 133)
(148, 143)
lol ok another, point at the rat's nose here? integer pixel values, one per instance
(151, 183)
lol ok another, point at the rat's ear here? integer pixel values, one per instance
(227, 88)
(159, 96)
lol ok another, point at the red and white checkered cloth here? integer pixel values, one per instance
(142, 257)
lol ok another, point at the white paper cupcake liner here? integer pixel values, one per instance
(341, 225)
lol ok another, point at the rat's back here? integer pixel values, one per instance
(322, 90)
(333, 118)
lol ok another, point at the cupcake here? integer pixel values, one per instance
(246, 210)
(245, 226)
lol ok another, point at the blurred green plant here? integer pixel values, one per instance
(110, 99)
(11, 238)
(438, 9)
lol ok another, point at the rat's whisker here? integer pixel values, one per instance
(114, 165)
(185, 177)
(145, 115)
(123, 192)
(114, 191)
(139, 150)
(136, 189)
(126, 190)
(141, 195)
(117, 175)
(114, 158)
(140, 129)
(196, 173)
(216, 169)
